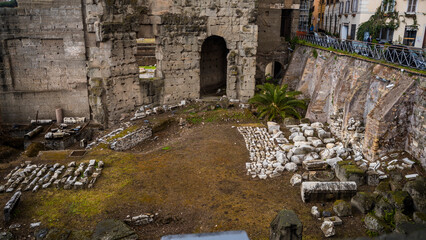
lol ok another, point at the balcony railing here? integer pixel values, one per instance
(401, 55)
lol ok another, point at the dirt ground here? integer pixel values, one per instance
(194, 178)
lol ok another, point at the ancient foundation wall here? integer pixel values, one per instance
(387, 101)
(42, 60)
(183, 30)
(273, 44)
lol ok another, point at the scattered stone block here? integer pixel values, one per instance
(342, 208)
(113, 229)
(383, 207)
(411, 176)
(335, 220)
(346, 171)
(296, 179)
(373, 178)
(34, 225)
(291, 167)
(327, 228)
(273, 126)
(312, 165)
(401, 200)
(286, 226)
(315, 212)
(326, 214)
(101, 164)
(327, 191)
(11, 205)
(419, 217)
(375, 224)
(363, 201)
(417, 191)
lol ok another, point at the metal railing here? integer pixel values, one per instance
(402, 55)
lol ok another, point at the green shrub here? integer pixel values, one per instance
(315, 53)
(276, 103)
(12, 3)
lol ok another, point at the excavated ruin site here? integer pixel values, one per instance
(137, 119)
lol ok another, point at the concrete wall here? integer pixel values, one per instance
(389, 102)
(42, 60)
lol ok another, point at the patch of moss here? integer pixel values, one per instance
(399, 197)
(123, 133)
(353, 169)
(390, 217)
(6, 152)
(421, 215)
(383, 187)
(162, 124)
(342, 163)
(315, 53)
(337, 202)
(372, 233)
(34, 148)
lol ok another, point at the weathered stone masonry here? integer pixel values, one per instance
(42, 64)
(389, 102)
(182, 33)
(114, 85)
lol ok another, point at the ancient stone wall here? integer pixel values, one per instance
(273, 15)
(416, 141)
(343, 90)
(42, 60)
(111, 30)
(185, 25)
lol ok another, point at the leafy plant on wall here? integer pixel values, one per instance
(380, 20)
(10, 3)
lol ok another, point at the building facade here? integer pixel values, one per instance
(411, 18)
(331, 17)
(412, 29)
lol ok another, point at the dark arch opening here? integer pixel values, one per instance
(213, 67)
(274, 72)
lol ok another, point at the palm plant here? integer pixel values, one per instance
(276, 103)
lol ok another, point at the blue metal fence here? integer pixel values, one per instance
(402, 55)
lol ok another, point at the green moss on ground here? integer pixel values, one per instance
(383, 187)
(123, 133)
(353, 169)
(6, 151)
(34, 149)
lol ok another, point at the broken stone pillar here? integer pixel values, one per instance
(327, 191)
(286, 226)
(311, 165)
(10, 205)
(59, 116)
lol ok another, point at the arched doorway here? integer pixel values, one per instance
(213, 67)
(274, 72)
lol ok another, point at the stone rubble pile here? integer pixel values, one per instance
(309, 145)
(34, 177)
(62, 131)
(148, 110)
(142, 219)
(267, 158)
(315, 148)
(104, 139)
